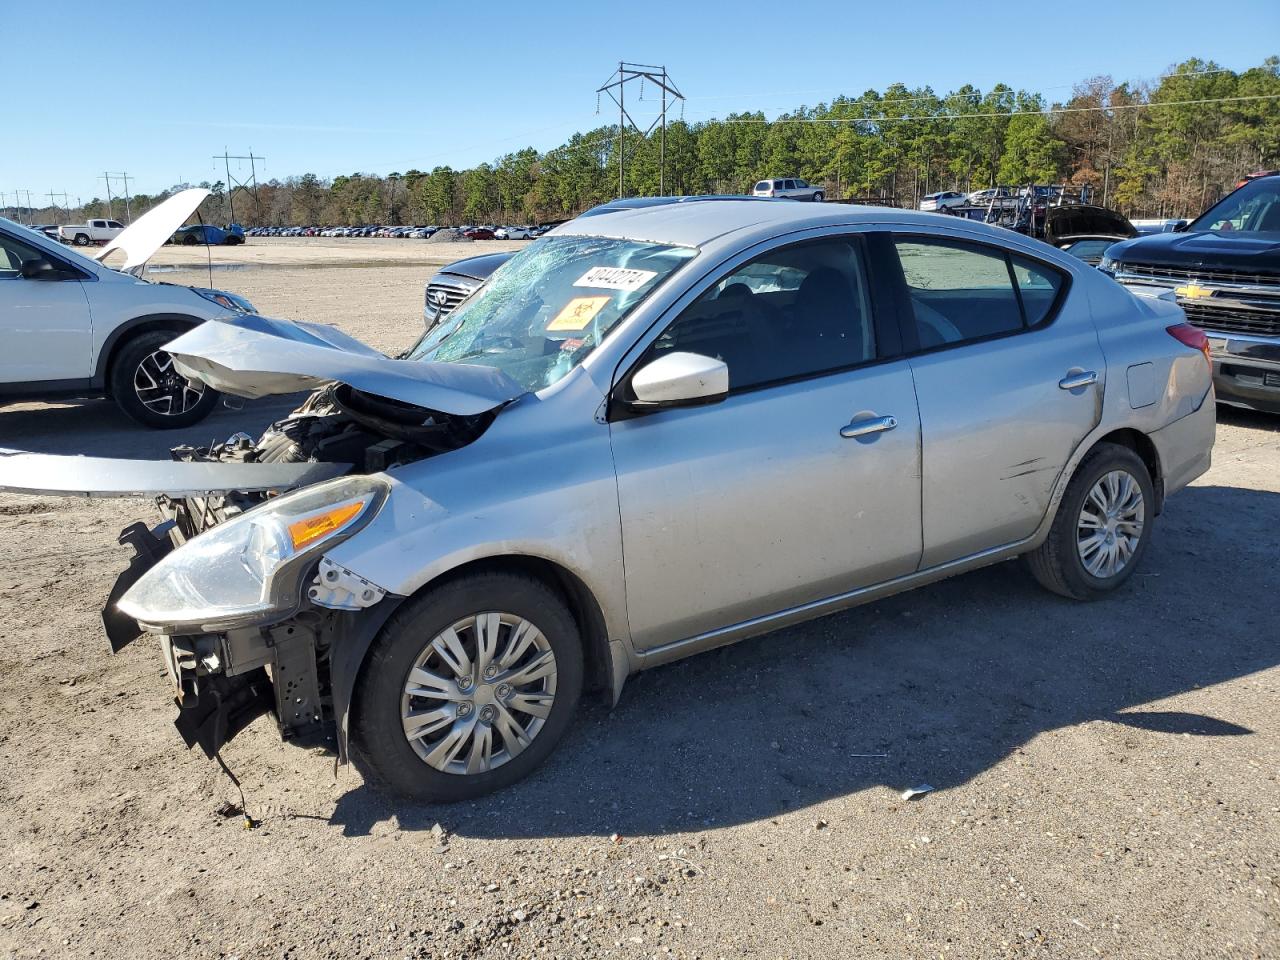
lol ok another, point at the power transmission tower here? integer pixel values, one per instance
(234, 184)
(616, 88)
(128, 213)
(65, 204)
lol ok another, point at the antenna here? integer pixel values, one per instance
(618, 80)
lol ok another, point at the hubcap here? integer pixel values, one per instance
(162, 389)
(1110, 524)
(479, 693)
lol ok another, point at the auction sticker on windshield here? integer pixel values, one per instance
(615, 278)
(578, 312)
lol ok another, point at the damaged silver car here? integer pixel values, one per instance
(651, 433)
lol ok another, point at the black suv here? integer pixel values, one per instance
(1224, 269)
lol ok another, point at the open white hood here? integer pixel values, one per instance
(142, 238)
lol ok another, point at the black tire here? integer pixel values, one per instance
(189, 240)
(82, 240)
(379, 745)
(818, 197)
(1056, 563)
(124, 367)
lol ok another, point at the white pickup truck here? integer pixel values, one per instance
(95, 231)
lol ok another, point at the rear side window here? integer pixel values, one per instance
(962, 292)
(1038, 287)
(762, 185)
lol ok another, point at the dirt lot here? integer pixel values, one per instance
(1106, 775)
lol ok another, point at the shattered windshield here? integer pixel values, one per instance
(544, 310)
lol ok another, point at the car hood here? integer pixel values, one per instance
(252, 356)
(1244, 251)
(142, 238)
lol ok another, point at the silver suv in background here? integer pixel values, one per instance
(788, 188)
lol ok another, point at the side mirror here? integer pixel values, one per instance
(1181, 226)
(679, 380)
(38, 268)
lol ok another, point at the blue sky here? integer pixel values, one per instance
(156, 89)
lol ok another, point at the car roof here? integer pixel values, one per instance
(694, 224)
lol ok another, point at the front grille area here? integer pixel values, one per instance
(443, 297)
(1158, 271)
(1226, 319)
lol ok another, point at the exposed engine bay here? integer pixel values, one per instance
(336, 424)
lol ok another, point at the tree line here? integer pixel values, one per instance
(1167, 148)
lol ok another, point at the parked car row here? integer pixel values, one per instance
(420, 232)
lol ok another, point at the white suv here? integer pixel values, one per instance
(791, 188)
(71, 325)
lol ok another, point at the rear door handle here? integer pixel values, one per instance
(1074, 381)
(860, 428)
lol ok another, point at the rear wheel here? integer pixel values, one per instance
(147, 387)
(82, 240)
(468, 688)
(1102, 526)
(189, 240)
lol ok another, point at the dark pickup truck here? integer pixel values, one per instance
(1224, 270)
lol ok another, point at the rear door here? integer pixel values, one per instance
(803, 483)
(45, 325)
(1009, 378)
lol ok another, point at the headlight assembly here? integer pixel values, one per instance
(228, 301)
(249, 570)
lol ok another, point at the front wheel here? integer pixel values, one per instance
(147, 387)
(468, 688)
(817, 198)
(1102, 526)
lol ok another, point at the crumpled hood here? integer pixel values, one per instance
(252, 356)
(148, 233)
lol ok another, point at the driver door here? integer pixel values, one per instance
(802, 484)
(45, 325)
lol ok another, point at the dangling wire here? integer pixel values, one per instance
(597, 103)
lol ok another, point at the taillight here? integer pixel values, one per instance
(1186, 334)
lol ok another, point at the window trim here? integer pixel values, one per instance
(880, 300)
(906, 312)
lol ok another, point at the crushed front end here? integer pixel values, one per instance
(260, 623)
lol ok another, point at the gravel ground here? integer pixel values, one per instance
(1105, 774)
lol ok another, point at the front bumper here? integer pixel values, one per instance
(302, 670)
(1246, 370)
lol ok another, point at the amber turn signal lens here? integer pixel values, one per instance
(310, 529)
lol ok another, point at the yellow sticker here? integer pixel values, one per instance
(578, 312)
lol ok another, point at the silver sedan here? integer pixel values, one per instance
(651, 433)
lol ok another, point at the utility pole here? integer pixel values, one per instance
(234, 184)
(111, 203)
(615, 87)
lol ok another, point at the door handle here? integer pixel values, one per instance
(861, 428)
(1073, 381)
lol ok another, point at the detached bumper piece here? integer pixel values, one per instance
(225, 681)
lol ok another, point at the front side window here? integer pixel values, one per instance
(801, 183)
(1254, 208)
(115, 225)
(12, 253)
(962, 292)
(795, 312)
(547, 308)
